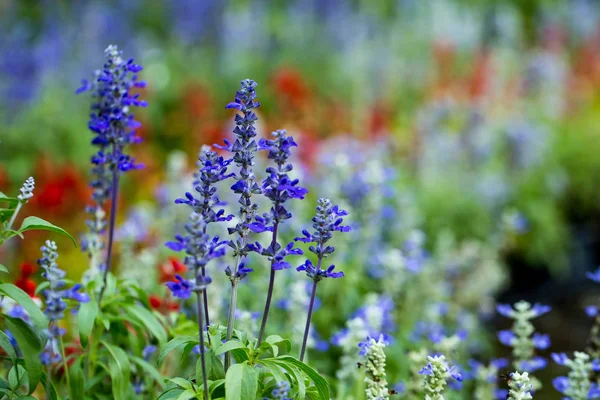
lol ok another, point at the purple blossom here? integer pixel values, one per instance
(540, 309)
(329, 218)
(506, 337)
(181, 288)
(56, 294)
(536, 363)
(591, 311)
(595, 276)
(541, 341)
(505, 310)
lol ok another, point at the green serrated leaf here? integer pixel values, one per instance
(37, 316)
(147, 318)
(241, 382)
(86, 319)
(174, 344)
(228, 346)
(3, 269)
(320, 382)
(38, 224)
(31, 346)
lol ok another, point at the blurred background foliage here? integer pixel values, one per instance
(483, 105)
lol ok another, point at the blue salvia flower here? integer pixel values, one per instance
(200, 249)
(328, 219)
(577, 386)
(375, 360)
(486, 378)
(212, 170)
(279, 188)
(243, 148)
(436, 374)
(113, 127)
(55, 297)
(523, 339)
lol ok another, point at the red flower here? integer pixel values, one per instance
(169, 269)
(23, 282)
(155, 301)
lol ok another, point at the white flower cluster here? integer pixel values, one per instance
(436, 374)
(374, 353)
(26, 190)
(520, 386)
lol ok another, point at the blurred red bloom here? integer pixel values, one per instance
(24, 282)
(169, 269)
(290, 85)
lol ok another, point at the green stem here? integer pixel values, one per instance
(65, 367)
(14, 216)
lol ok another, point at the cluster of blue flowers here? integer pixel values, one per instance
(55, 297)
(244, 148)
(113, 126)
(329, 218)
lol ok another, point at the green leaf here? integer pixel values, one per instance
(12, 201)
(31, 346)
(53, 395)
(86, 317)
(147, 318)
(320, 382)
(3, 269)
(120, 372)
(37, 316)
(149, 369)
(183, 383)
(38, 224)
(241, 382)
(214, 367)
(5, 214)
(8, 347)
(17, 377)
(284, 345)
(275, 370)
(172, 393)
(293, 371)
(228, 346)
(214, 385)
(76, 380)
(174, 344)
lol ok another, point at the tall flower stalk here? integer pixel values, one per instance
(55, 297)
(113, 125)
(243, 148)
(200, 248)
(329, 218)
(523, 339)
(212, 169)
(279, 188)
